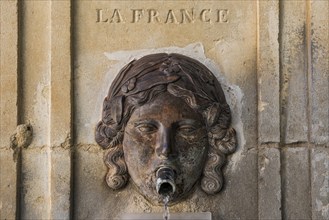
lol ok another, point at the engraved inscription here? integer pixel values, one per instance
(171, 18)
(157, 16)
(115, 16)
(222, 16)
(153, 16)
(187, 16)
(137, 15)
(203, 15)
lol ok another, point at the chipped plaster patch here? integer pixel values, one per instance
(21, 138)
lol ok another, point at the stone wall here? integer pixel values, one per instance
(58, 59)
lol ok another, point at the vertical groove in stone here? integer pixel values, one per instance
(20, 91)
(72, 100)
(319, 72)
(20, 104)
(308, 79)
(60, 110)
(268, 72)
(258, 98)
(294, 72)
(308, 64)
(282, 110)
(9, 110)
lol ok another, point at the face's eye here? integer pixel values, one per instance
(186, 129)
(147, 128)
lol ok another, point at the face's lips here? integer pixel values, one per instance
(166, 166)
(165, 163)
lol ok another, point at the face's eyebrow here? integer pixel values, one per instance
(144, 121)
(190, 122)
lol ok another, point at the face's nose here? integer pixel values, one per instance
(165, 144)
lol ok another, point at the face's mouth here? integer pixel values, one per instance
(156, 194)
(165, 181)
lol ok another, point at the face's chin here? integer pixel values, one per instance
(146, 186)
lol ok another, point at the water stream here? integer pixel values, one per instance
(166, 214)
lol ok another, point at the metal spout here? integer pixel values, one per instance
(165, 184)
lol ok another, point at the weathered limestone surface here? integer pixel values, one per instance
(9, 70)
(94, 38)
(61, 118)
(296, 185)
(8, 106)
(269, 183)
(35, 196)
(319, 79)
(320, 183)
(294, 70)
(8, 180)
(35, 69)
(268, 72)
(61, 179)
(35, 171)
(36, 90)
(223, 42)
(60, 67)
(55, 72)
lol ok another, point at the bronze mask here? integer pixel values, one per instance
(166, 124)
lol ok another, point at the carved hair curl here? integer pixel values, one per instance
(140, 82)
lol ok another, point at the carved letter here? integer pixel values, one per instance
(171, 17)
(203, 15)
(116, 17)
(222, 15)
(187, 16)
(153, 16)
(100, 16)
(137, 15)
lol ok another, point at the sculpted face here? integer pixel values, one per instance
(165, 132)
(166, 126)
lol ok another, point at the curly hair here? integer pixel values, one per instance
(140, 82)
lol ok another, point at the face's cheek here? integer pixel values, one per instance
(192, 155)
(138, 151)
